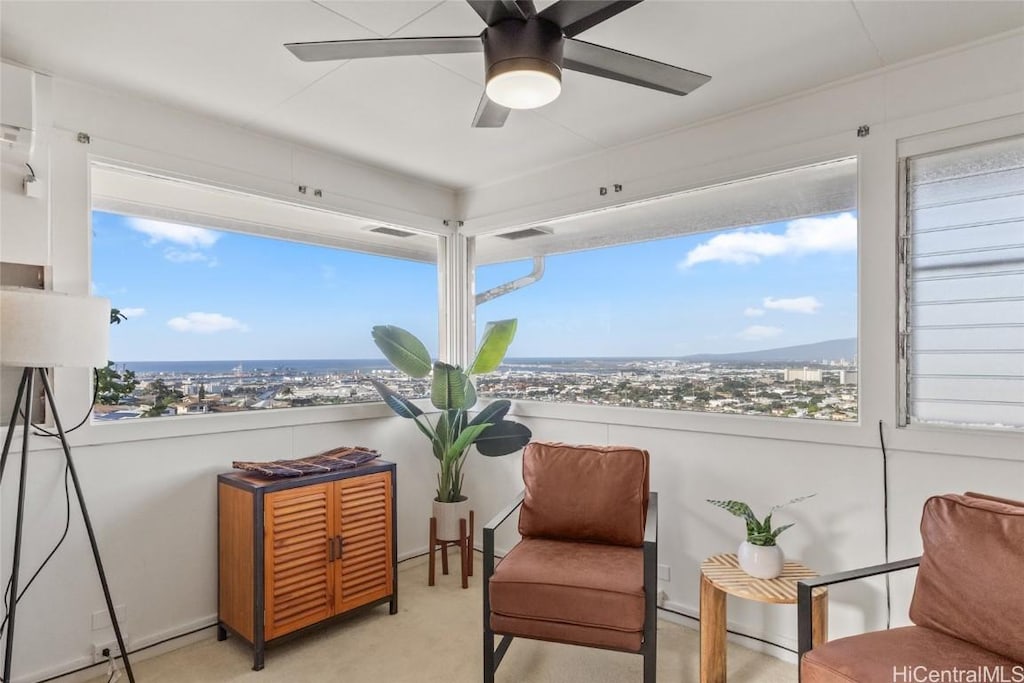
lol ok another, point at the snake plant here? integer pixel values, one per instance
(758, 532)
(452, 433)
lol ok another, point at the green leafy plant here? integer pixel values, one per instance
(451, 391)
(113, 386)
(758, 532)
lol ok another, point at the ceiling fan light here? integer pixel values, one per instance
(524, 83)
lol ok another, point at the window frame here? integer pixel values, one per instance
(760, 426)
(910, 148)
(95, 432)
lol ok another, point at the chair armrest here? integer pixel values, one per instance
(805, 594)
(504, 514)
(489, 528)
(651, 528)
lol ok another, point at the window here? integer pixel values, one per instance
(218, 321)
(670, 314)
(962, 342)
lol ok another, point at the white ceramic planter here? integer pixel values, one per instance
(448, 516)
(760, 561)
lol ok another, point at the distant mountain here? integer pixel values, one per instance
(833, 349)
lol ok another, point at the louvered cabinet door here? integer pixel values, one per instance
(299, 583)
(364, 571)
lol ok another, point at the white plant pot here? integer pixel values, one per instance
(448, 516)
(760, 561)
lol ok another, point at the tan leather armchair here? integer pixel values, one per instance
(585, 571)
(968, 605)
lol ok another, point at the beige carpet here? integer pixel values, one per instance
(436, 636)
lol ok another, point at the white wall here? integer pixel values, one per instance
(948, 99)
(152, 500)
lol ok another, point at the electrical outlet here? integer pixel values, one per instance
(664, 573)
(98, 648)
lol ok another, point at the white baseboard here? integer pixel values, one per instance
(206, 624)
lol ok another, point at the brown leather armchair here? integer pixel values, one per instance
(585, 571)
(968, 605)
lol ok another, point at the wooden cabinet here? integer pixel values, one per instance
(295, 552)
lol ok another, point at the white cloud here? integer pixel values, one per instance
(181, 256)
(206, 323)
(133, 312)
(755, 332)
(753, 312)
(802, 236)
(185, 235)
(800, 304)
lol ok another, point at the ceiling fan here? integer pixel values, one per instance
(524, 54)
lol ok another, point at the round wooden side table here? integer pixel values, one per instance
(720, 575)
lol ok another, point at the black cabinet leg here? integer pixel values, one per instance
(222, 633)
(257, 658)
(393, 605)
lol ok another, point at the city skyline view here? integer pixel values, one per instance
(193, 293)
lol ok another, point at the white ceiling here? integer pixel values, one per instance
(413, 114)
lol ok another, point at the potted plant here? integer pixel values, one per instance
(452, 433)
(759, 555)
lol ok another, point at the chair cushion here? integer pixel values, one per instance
(585, 493)
(568, 582)
(628, 641)
(893, 655)
(969, 582)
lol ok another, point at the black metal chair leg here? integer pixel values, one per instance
(488, 655)
(651, 665)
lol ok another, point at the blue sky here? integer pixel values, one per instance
(197, 294)
(763, 287)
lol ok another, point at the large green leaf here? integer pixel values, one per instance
(466, 438)
(493, 346)
(495, 412)
(470, 394)
(401, 405)
(403, 349)
(503, 437)
(448, 389)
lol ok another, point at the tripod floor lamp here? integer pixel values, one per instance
(40, 330)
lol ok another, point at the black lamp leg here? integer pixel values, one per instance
(25, 377)
(26, 383)
(88, 524)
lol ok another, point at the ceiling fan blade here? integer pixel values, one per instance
(383, 47)
(576, 16)
(490, 114)
(622, 66)
(493, 11)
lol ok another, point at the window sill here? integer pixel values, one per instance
(933, 440)
(149, 429)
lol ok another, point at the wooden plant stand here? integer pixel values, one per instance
(720, 575)
(464, 544)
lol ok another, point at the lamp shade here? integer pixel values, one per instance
(41, 329)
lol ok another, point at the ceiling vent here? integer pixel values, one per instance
(393, 232)
(526, 232)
